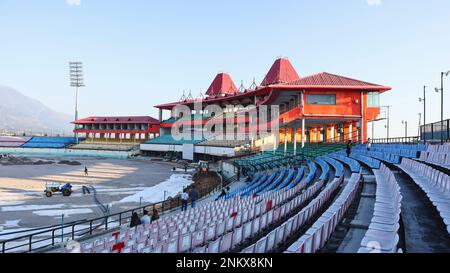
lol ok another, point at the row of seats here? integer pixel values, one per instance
(434, 183)
(383, 156)
(382, 234)
(289, 177)
(49, 142)
(292, 225)
(412, 147)
(169, 140)
(369, 161)
(438, 155)
(98, 146)
(262, 180)
(312, 172)
(338, 166)
(262, 184)
(227, 230)
(276, 183)
(443, 149)
(252, 229)
(13, 141)
(224, 143)
(316, 237)
(290, 180)
(392, 149)
(309, 179)
(354, 165)
(325, 169)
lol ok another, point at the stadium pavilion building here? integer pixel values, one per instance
(324, 108)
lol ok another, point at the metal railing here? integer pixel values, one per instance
(57, 234)
(406, 140)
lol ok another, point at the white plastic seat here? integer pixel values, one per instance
(171, 246)
(185, 242)
(280, 234)
(198, 238)
(247, 230)
(271, 240)
(201, 249)
(213, 247)
(237, 236)
(220, 229)
(260, 246)
(226, 242)
(387, 241)
(229, 224)
(250, 249)
(255, 226)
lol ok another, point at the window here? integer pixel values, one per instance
(373, 99)
(323, 99)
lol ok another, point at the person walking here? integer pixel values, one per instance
(369, 144)
(145, 219)
(349, 148)
(86, 173)
(193, 195)
(135, 221)
(222, 194)
(184, 200)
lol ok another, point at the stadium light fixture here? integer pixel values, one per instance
(388, 107)
(446, 74)
(424, 106)
(76, 80)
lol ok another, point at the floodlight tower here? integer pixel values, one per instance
(76, 80)
(446, 74)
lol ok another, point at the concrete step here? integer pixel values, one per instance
(359, 224)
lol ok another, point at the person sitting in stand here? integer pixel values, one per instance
(145, 219)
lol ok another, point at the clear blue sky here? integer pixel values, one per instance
(141, 53)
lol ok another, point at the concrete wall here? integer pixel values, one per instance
(228, 169)
(66, 152)
(217, 151)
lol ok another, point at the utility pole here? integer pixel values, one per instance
(406, 128)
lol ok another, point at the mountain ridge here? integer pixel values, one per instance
(19, 113)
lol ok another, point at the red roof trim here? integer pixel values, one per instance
(328, 79)
(124, 119)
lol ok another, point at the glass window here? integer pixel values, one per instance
(373, 99)
(323, 99)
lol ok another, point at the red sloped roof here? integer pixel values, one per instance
(281, 71)
(123, 119)
(222, 84)
(332, 80)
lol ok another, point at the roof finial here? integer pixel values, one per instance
(183, 98)
(253, 86)
(189, 97)
(242, 88)
(200, 96)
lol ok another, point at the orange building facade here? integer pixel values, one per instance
(320, 108)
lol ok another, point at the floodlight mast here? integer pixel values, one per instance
(76, 80)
